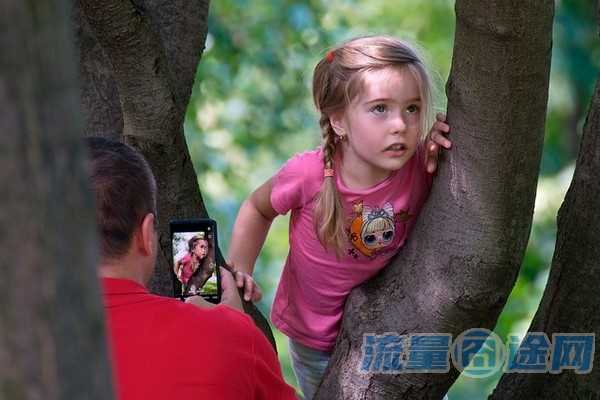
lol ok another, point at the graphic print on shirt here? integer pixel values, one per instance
(373, 228)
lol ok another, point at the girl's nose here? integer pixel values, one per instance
(398, 124)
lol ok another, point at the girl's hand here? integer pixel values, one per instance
(252, 291)
(435, 139)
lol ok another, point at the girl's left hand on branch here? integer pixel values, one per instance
(435, 139)
(252, 291)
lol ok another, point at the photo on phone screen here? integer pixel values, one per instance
(194, 263)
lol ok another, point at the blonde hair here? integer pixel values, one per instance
(336, 82)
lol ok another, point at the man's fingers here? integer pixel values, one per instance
(199, 301)
(228, 286)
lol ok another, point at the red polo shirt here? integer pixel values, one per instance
(162, 348)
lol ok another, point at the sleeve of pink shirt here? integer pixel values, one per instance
(297, 182)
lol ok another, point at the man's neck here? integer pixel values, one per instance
(123, 268)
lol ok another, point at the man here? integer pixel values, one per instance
(162, 348)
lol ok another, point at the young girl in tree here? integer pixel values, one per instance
(195, 267)
(353, 200)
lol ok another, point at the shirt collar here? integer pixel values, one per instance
(119, 291)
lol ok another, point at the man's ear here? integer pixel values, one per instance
(147, 236)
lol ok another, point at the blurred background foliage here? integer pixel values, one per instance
(251, 109)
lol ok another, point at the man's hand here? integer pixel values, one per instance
(199, 301)
(435, 139)
(229, 294)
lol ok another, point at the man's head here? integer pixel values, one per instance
(125, 192)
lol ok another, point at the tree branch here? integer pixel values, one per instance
(181, 26)
(460, 262)
(153, 118)
(153, 48)
(572, 288)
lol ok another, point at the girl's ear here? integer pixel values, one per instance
(338, 124)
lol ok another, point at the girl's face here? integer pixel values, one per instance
(382, 126)
(200, 249)
(378, 238)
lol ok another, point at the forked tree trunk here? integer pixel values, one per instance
(52, 342)
(138, 64)
(571, 302)
(137, 90)
(461, 261)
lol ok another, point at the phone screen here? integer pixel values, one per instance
(194, 244)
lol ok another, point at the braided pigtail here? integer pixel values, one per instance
(329, 212)
(336, 82)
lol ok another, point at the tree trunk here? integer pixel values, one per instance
(461, 260)
(138, 63)
(570, 303)
(151, 103)
(52, 341)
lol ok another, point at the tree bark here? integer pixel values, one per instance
(570, 302)
(461, 260)
(52, 343)
(138, 63)
(152, 108)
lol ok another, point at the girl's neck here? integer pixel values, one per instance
(358, 178)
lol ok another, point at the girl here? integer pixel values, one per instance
(353, 200)
(194, 268)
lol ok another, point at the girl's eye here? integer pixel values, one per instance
(370, 239)
(412, 109)
(379, 109)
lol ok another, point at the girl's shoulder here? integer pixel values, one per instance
(308, 163)
(297, 181)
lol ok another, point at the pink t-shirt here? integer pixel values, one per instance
(314, 284)
(186, 269)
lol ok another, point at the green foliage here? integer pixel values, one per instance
(251, 109)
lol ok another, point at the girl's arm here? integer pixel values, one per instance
(177, 269)
(249, 233)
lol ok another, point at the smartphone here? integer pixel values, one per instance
(194, 268)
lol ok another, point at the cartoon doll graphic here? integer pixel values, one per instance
(374, 228)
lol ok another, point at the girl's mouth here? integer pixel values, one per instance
(396, 147)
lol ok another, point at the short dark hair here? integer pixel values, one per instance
(125, 192)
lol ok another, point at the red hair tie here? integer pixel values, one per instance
(329, 56)
(328, 172)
